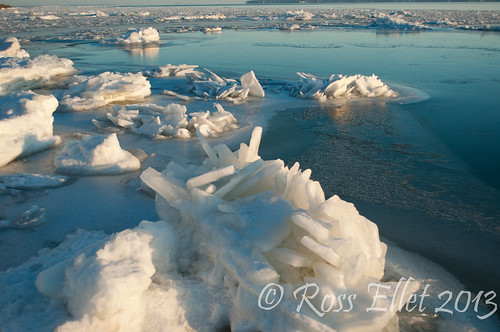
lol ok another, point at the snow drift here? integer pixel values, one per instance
(26, 125)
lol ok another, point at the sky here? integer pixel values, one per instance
(118, 2)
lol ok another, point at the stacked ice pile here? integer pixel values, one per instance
(298, 15)
(340, 86)
(160, 122)
(142, 36)
(210, 86)
(25, 124)
(231, 228)
(176, 71)
(98, 91)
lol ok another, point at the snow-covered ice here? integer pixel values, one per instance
(26, 124)
(18, 74)
(100, 154)
(105, 88)
(142, 36)
(10, 47)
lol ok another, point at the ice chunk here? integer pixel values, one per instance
(104, 89)
(250, 82)
(210, 177)
(10, 47)
(176, 71)
(26, 125)
(142, 36)
(355, 86)
(100, 154)
(33, 217)
(24, 74)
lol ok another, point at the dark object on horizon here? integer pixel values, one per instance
(3, 6)
(353, 1)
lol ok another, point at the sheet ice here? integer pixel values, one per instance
(18, 74)
(209, 85)
(340, 86)
(229, 228)
(103, 89)
(172, 120)
(26, 124)
(100, 154)
(142, 36)
(10, 47)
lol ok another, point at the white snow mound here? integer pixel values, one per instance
(100, 154)
(10, 47)
(143, 36)
(26, 125)
(103, 89)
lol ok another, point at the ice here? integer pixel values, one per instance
(172, 120)
(209, 85)
(33, 217)
(106, 88)
(100, 154)
(26, 125)
(176, 70)
(17, 74)
(10, 47)
(299, 15)
(397, 21)
(33, 181)
(340, 86)
(142, 36)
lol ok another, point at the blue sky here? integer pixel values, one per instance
(118, 2)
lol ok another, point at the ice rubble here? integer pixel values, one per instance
(229, 228)
(105, 88)
(23, 73)
(100, 154)
(175, 71)
(142, 36)
(10, 47)
(26, 124)
(160, 122)
(340, 86)
(299, 15)
(209, 85)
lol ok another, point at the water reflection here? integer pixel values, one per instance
(149, 52)
(396, 33)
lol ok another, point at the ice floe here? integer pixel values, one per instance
(98, 91)
(33, 217)
(175, 71)
(161, 122)
(24, 181)
(25, 74)
(142, 36)
(10, 47)
(340, 86)
(26, 125)
(100, 154)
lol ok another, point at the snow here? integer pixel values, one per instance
(172, 120)
(100, 154)
(25, 74)
(340, 86)
(10, 47)
(142, 36)
(26, 125)
(105, 88)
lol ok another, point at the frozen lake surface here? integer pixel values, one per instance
(423, 167)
